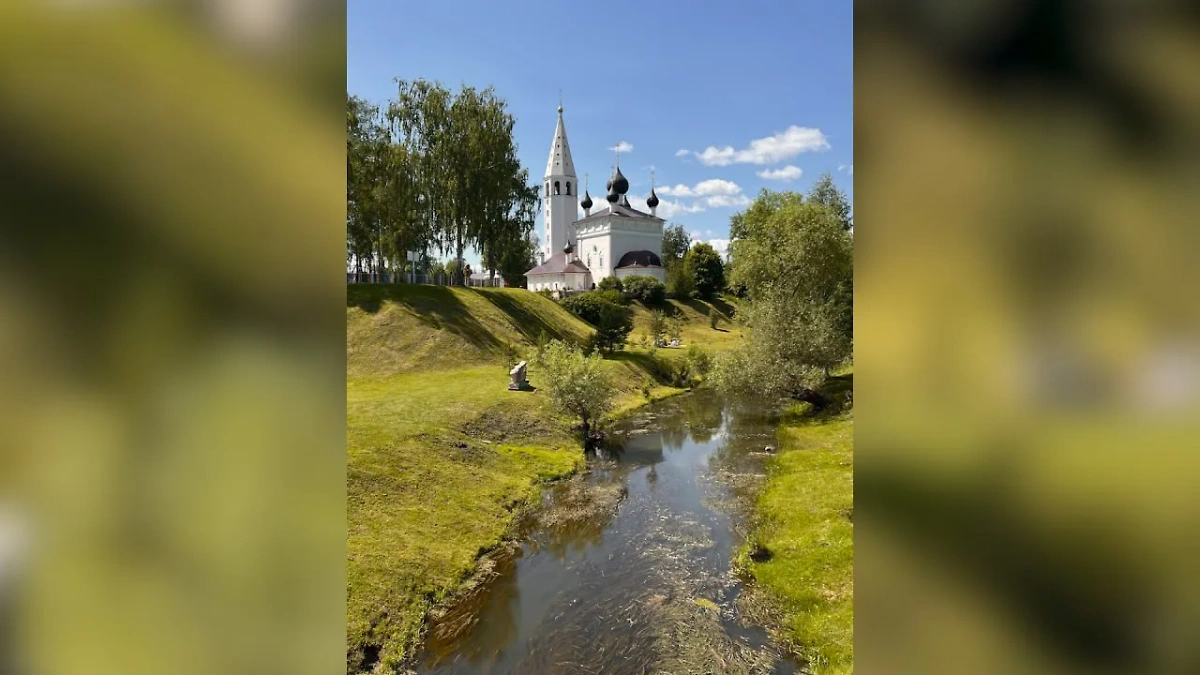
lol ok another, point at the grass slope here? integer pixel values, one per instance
(441, 455)
(804, 522)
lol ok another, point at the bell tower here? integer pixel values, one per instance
(560, 193)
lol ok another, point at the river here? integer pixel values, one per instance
(627, 568)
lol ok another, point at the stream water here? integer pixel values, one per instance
(626, 569)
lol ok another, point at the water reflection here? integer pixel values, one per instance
(626, 569)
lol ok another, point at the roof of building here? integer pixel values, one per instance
(560, 163)
(639, 259)
(621, 210)
(558, 264)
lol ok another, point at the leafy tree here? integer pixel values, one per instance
(576, 384)
(657, 327)
(610, 284)
(675, 245)
(680, 284)
(613, 321)
(827, 194)
(795, 260)
(648, 290)
(706, 269)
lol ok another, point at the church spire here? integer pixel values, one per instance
(560, 163)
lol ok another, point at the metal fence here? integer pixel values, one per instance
(425, 279)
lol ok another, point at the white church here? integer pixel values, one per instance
(615, 241)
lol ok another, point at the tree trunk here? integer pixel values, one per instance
(810, 396)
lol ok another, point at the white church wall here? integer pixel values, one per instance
(656, 272)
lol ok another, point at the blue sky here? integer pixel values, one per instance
(721, 98)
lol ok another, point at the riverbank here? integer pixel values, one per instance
(441, 457)
(803, 567)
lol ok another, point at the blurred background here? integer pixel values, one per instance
(172, 336)
(1027, 337)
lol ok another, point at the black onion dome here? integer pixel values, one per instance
(568, 249)
(639, 259)
(620, 183)
(587, 200)
(653, 201)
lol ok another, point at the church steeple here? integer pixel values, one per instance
(561, 200)
(560, 163)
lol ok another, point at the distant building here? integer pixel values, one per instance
(616, 241)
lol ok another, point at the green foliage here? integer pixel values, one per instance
(657, 327)
(610, 284)
(697, 364)
(408, 166)
(713, 317)
(648, 290)
(611, 295)
(795, 260)
(706, 269)
(674, 326)
(825, 193)
(577, 384)
(675, 245)
(680, 284)
(613, 321)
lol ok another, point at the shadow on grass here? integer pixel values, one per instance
(660, 371)
(435, 306)
(527, 322)
(838, 392)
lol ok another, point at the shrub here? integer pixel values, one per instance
(657, 327)
(713, 317)
(546, 293)
(612, 296)
(648, 290)
(699, 362)
(576, 383)
(613, 322)
(610, 284)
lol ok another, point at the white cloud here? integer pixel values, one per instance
(694, 236)
(787, 174)
(776, 148)
(682, 152)
(721, 201)
(705, 188)
(623, 146)
(721, 245)
(848, 168)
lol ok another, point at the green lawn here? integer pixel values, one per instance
(804, 523)
(440, 455)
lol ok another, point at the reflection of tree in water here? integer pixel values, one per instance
(704, 415)
(652, 476)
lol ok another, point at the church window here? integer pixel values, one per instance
(568, 187)
(556, 187)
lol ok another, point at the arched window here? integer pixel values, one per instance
(568, 187)
(556, 188)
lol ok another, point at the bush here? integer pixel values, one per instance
(546, 293)
(610, 284)
(612, 296)
(657, 328)
(576, 383)
(613, 322)
(713, 317)
(647, 290)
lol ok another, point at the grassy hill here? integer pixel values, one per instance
(441, 455)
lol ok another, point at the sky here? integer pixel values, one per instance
(722, 99)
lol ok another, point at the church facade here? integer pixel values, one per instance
(616, 240)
